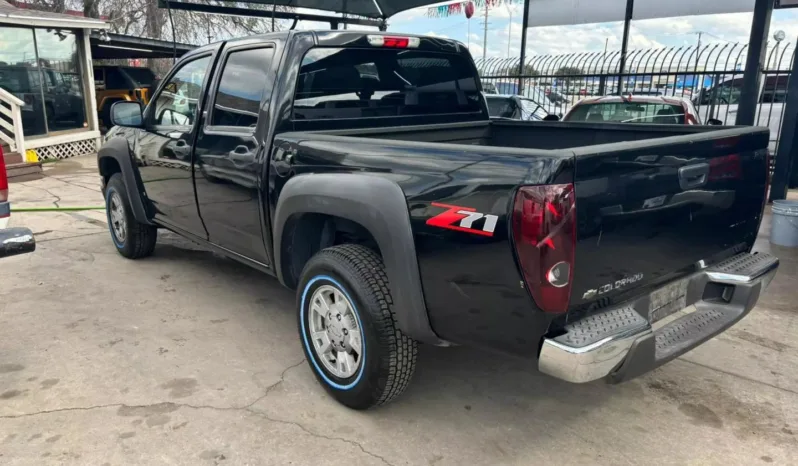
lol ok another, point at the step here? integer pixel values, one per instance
(743, 268)
(12, 158)
(22, 169)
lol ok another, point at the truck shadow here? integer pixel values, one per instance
(456, 378)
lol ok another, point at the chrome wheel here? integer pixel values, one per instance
(335, 332)
(116, 213)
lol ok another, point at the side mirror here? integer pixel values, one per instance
(714, 122)
(551, 117)
(127, 114)
(15, 241)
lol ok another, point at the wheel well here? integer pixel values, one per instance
(306, 234)
(109, 166)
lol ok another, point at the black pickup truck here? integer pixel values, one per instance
(363, 171)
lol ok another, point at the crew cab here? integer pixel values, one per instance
(363, 171)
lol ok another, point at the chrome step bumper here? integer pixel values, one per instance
(620, 344)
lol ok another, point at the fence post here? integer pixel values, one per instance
(757, 44)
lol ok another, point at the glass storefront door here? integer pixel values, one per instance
(42, 68)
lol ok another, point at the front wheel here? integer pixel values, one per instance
(132, 239)
(348, 328)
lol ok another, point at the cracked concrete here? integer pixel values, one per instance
(187, 358)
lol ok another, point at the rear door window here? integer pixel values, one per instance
(241, 87)
(336, 83)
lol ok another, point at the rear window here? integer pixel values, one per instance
(500, 107)
(337, 83)
(629, 112)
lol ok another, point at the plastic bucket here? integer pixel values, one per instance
(784, 230)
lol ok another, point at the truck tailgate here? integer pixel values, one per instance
(649, 212)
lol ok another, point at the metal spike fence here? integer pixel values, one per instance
(710, 75)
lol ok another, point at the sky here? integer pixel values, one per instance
(504, 31)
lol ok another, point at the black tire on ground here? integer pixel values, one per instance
(139, 239)
(389, 356)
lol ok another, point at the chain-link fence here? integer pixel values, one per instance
(710, 76)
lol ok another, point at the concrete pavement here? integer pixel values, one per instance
(188, 358)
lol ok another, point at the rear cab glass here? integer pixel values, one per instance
(356, 83)
(502, 107)
(629, 112)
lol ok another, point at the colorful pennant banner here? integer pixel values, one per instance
(444, 11)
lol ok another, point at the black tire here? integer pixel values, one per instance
(139, 239)
(389, 356)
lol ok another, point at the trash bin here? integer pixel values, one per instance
(784, 230)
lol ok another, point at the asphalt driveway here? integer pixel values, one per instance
(189, 358)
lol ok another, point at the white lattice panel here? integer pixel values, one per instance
(66, 150)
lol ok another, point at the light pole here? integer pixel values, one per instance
(509, 28)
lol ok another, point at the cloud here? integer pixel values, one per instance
(558, 40)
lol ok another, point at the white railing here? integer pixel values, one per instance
(11, 107)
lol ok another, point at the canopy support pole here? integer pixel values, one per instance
(785, 160)
(521, 67)
(627, 25)
(757, 50)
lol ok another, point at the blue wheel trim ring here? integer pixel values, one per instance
(310, 349)
(108, 193)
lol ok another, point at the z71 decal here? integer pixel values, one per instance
(462, 219)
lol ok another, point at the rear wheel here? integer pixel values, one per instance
(132, 239)
(348, 329)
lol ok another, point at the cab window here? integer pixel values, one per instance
(176, 105)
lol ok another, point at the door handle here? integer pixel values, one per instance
(693, 176)
(242, 154)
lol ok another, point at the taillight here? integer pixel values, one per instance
(544, 232)
(725, 168)
(393, 41)
(3, 178)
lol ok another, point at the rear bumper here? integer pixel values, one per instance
(621, 343)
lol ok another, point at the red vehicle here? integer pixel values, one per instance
(636, 109)
(13, 241)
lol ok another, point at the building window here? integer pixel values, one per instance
(42, 68)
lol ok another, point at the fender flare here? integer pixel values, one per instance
(379, 205)
(117, 148)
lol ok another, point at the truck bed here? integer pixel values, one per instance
(652, 203)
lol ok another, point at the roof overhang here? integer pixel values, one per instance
(121, 46)
(66, 22)
(377, 9)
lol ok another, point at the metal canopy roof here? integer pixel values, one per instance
(380, 9)
(122, 46)
(9, 14)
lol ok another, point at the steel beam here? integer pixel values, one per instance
(236, 11)
(754, 63)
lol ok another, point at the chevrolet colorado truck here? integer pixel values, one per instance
(364, 172)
